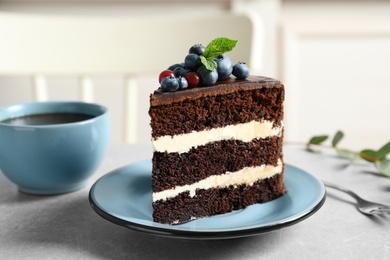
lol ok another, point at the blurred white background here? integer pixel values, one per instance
(332, 56)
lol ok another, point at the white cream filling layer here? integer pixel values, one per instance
(243, 132)
(247, 176)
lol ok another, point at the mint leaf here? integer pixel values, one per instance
(336, 139)
(219, 46)
(210, 64)
(215, 48)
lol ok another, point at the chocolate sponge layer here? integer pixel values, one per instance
(231, 103)
(174, 169)
(209, 202)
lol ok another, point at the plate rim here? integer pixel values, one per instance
(203, 235)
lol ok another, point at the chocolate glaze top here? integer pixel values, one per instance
(221, 87)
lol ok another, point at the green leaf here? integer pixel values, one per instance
(383, 167)
(375, 156)
(347, 154)
(378, 158)
(382, 152)
(318, 139)
(315, 140)
(310, 149)
(336, 139)
(210, 64)
(219, 46)
(369, 155)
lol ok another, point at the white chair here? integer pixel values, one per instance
(59, 45)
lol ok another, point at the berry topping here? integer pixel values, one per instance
(192, 61)
(240, 70)
(197, 49)
(170, 84)
(174, 66)
(164, 74)
(183, 83)
(192, 79)
(207, 77)
(224, 66)
(203, 66)
(181, 71)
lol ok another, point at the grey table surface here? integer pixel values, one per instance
(66, 227)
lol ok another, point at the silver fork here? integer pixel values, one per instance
(364, 206)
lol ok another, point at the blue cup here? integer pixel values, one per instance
(57, 157)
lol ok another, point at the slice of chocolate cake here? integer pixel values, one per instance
(216, 148)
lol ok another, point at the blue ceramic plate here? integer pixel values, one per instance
(124, 197)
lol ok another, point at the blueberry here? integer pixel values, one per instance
(174, 66)
(181, 71)
(197, 49)
(183, 83)
(170, 84)
(192, 61)
(207, 77)
(240, 70)
(224, 66)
